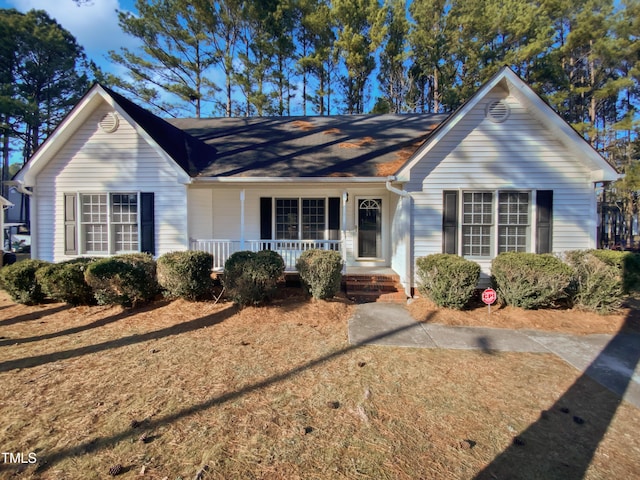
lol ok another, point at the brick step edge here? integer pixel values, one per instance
(385, 297)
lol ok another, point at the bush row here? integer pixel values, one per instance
(125, 280)
(594, 280)
(250, 278)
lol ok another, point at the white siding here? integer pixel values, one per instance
(95, 161)
(520, 153)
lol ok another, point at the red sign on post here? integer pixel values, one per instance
(489, 296)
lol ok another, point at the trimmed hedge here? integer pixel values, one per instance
(20, 282)
(251, 277)
(447, 280)
(185, 274)
(65, 281)
(320, 272)
(628, 264)
(597, 285)
(530, 280)
(123, 279)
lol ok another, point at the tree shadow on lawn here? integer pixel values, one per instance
(562, 442)
(196, 324)
(47, 461)
(28, 317)
(81, 328)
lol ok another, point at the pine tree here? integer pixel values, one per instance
(361, 28)
(393, 76)
(176, 53)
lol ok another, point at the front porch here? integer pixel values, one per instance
(290, 250)
(363, 284)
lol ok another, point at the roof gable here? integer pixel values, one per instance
(92, 100)
(505, 78)
(190, 153)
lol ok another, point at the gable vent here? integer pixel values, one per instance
(497, 111)
(109, 122)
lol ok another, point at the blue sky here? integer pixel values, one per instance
(95, 25)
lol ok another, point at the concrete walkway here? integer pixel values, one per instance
(612, 361)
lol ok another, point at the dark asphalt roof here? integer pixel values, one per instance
(345, 145)
(320, 146)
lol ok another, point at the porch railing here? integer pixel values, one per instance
(290, 250)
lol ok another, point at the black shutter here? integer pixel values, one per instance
(70, 224)
(450, 221)
(265, 218)
(334, 218)
(147, 221)
(544, 221)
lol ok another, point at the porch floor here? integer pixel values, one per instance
(370, 271)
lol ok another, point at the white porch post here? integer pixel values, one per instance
(242, 219)
(408, 273)
(345, 198)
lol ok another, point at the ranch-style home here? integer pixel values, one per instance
(502, 173)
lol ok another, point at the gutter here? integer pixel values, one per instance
(391, 188)
(204, 180)
(19, 184)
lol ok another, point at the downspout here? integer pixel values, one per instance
(405, 276)
(345, 199)
(19, 186)
(391, 188)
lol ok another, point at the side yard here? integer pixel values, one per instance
(202, 390)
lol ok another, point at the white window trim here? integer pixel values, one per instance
(80, 230)
(531, 240)
(274, 217)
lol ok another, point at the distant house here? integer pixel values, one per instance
(504, 172)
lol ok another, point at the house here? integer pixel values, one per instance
(504, 172)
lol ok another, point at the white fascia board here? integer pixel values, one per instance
(446, 127)
(182, 176)
(600, 169)
(59, 137)
(70, 125)
(325, 180)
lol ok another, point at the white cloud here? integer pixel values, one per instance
(93, 24)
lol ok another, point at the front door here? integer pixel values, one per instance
(369, 227)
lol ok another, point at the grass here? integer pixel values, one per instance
(197, 390)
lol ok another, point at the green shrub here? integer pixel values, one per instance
(20, 282)
(530, 280)
(320, 272)
(251, 278)
(597, 286)
(628, 263)
(65, 282)
(123, 280)
(447, 280)
(186, 274)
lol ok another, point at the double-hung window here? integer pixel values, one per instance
(300, 218)
(513, 221)
(495, 222)
(477, 223)
(109, 223)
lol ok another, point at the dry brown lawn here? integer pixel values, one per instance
(198, 390)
